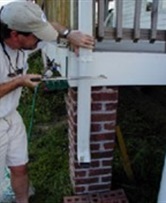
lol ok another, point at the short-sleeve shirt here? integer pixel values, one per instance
(10, 101)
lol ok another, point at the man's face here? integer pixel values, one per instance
(28, 42)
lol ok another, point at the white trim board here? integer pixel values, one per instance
(123, 68)
(120, 68)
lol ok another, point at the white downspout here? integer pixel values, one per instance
(85, 24)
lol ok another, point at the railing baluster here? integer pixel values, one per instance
(154, 18)
(136, 33)
(119, 13)
(137, 18)
(101, 10)
(106, 8)
(94, 18)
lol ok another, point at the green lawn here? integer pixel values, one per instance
(44, 114)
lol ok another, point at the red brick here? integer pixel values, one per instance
(96, 107)
(98, 141)
(107, 162)
(109, 145)
(95, 164)
(96, 127)
(72, 93)
(106, 179)
(80, 189)
(106, 197)
(83, 181)
(76, 199)
(94, 198)
(103, 136)
(97, 155)
(100, 171)
(97, 117)
(103, 96)
(95, 147)
(80, 173)
(72, 120)
(110, 126)
(117, 194)
(111, 106)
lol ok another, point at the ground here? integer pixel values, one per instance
(142, 118)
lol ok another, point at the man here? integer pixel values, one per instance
(23, 25)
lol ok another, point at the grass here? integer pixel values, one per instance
(49, 164)
(48, 148)
(48, 143)
(141, 116)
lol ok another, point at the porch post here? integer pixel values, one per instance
(97, 176)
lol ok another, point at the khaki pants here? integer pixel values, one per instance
(13, 142)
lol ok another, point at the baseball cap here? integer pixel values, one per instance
(28, 17)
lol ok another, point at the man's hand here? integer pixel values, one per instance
(79, 39)
(29, 80)
(76, 38)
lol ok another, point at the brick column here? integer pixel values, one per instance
(96, 177)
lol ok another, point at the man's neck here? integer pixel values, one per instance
(10, 43)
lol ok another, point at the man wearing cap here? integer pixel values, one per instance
(23, 25)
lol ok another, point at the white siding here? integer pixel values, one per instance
(128, 14)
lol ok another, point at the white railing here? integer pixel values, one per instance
(130, 20)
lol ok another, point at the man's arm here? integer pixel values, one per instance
(75, 37)
(7, 87)
(20, 81)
